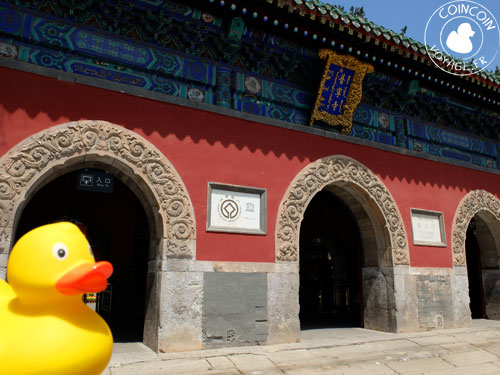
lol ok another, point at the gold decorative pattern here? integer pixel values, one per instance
(474, 202)
(36, 159)
(355, 90)
(314, 178)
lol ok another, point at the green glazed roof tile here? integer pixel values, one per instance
(376, 30)
(334, 15)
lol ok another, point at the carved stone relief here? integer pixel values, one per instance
(313, 179)
(37, 156)
(474, 202)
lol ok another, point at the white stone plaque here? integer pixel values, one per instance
(236, 209)
(428, 228)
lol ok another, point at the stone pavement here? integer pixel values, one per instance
(473, 350)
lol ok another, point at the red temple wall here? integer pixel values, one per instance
(205, 146)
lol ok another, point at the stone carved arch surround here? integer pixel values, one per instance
(382, 234)
(39, 157)
(473, 203)
(314, 178)
(485, 208)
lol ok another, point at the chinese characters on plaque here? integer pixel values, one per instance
(334, 94)
(340, 90)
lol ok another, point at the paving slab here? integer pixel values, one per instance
(490, 346)
(299, 359)
(470, 358)
(252, 364)
(288, 356)
(392, 345)
(420, 366)
(427, 352)
(477, 337)
(372, 368)
(179, 366)
(131, 352)
(433, 340)
(220, 363)
(342, 336)
(347, 351)
(474, 351)
(459, 347)
(482, 369)
(323, 370)
(232, 371)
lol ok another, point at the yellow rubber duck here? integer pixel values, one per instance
(45, 327)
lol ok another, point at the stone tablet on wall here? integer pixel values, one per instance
(427, 228)
(237, 209)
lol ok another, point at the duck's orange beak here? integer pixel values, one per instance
(86, 278)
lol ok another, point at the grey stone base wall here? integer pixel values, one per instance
(218, 304)
(211, 304)
(195, 305)
(151, 320)
(410, 299)
(234, 309)
(436, 298)
(460, 296)
(491, 287)
(180, 311)
(283, 306)
(379, 304)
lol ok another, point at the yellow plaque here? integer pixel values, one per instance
(340, 90)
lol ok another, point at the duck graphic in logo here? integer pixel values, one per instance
(462, 37)
(459, 40)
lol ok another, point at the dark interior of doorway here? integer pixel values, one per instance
(330, 265)
(116, 226)
(473, 257)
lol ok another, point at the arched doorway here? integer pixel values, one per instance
(476, 247)
(330, 265)
(381, 233)
(115, 223)
(46, 156)
(474, 271)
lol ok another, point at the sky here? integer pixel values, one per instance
(415, 14)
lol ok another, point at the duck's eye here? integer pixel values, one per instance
(60, 251)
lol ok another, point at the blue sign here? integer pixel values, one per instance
(335, 90)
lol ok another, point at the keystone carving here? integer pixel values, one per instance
(313, 179)
(474, 202)
(39, 154)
